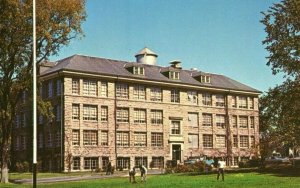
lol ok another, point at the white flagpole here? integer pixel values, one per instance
(34, 167)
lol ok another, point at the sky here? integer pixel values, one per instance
(215, 36)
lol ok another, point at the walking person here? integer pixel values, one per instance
(221, 166)
(143, 170)
(132, 175)
(108, 168)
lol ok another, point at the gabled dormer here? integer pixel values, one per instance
(171, 73)
(202, 77)
(136, 69)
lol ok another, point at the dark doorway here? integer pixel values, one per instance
(176, 152)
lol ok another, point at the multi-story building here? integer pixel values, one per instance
(133, 113)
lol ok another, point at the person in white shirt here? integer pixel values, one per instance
(221, 166)
(143, 170)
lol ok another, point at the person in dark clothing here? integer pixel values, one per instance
(108, 169)
(132, 175)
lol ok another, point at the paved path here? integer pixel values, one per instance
(88, 176)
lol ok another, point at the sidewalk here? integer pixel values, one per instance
(88, 176)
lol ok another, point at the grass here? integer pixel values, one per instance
(251, 179)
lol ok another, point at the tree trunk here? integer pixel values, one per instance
(5, 158)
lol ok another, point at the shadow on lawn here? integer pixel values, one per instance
(289, 171)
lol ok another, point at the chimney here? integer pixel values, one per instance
(176, 64)
(146, 56)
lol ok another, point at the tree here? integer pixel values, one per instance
(280, 106)
(58, 21)
(282, 25)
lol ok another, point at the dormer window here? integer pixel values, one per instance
(138, 71)
(205, 79)
(174, 75)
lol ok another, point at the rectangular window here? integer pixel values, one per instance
(233, 101)
(251, 103)
(138, 70)
(193, 140)
(192, 97)
(252, 141)
(234, 121)
(244, 141)
(157, 139)
(220, 121)
(207, 119)
(104, 113)
(58, 113)
(174, 75)
(122, 91)
(49, 140)
(206, 99)
(156, 94)
(91, 163)
(220, 141)
(105, 161)
(75, 111)
(175, 96)
(58, 87)
(89, 87)
(90, 112)
(75, 137)
(123, 162)
(123, 139)
(50, 88)
(251, 122)
(156, 117)
(58, 139)
(243, 121)
(158, 162)
(139, 92)
(141, 161)
(17, 143)
(40, 140)
(139, 115)
(242, 102)
(17, 121)
(175, 127)
(235, 161)
(207, 141)
(23, 123)
(235, 141)
(90, 138)
(23, 142)
(122, 115)
(220, 100)
(103, 89)
(76, 163)
(193, 119)
(104, 138)
(140, 139)
(75, 86)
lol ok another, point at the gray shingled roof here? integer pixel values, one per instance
(80, 63)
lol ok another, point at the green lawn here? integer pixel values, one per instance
(184, 180)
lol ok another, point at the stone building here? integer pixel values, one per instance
(133, 113)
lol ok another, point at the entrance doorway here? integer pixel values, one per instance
(176, 152)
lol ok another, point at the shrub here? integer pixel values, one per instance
(196, 167)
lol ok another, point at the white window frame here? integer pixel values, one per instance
(123, 115)
(192, 97)
(122, 91)
(90, 87)
(139, 92)
(156, 94)
(90, 112)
